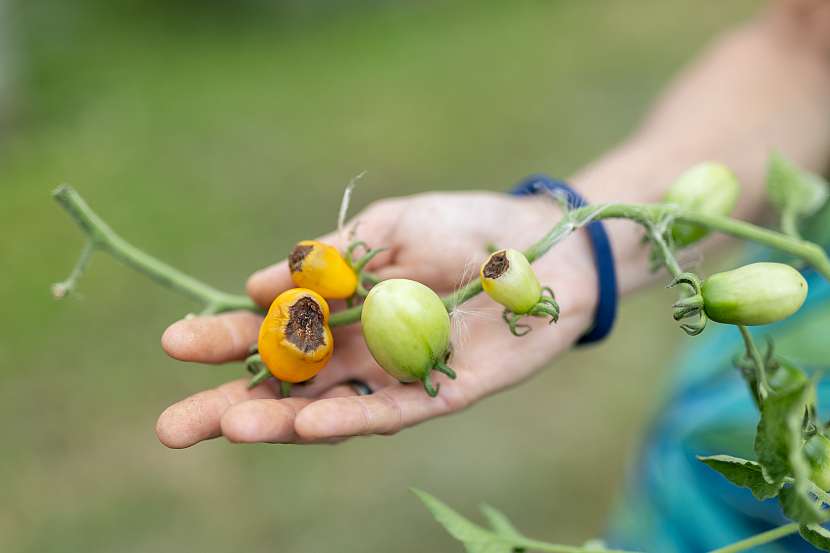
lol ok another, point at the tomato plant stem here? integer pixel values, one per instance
(759, 539)
(755, 355)
(789, 223)
(102, 237)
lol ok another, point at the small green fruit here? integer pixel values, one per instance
(817, 452)
(508, 278)
(407, 329)
(708, 188)
(756, 294)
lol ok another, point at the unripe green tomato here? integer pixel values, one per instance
(817, 452)
(756, 294)
(406, 327)
(508, 278)
(708, 188)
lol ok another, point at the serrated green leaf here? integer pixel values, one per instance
(480, 540)
(779, 431)
(778, 444)
(815, 535)
(744, 473)
(791, 189)
(475, 538)
(499, 522)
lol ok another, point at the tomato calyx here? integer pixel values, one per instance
(690, 305)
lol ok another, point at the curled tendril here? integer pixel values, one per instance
(690, 305)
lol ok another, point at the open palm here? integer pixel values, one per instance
(437, 239)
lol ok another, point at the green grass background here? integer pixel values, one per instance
(215, 135)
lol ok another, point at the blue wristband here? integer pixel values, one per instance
(603, 257)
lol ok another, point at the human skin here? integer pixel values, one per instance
(762, 87)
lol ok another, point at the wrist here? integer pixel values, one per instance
(588, 260)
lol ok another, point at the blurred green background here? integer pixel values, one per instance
(215, 135)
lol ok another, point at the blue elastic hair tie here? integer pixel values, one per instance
(603, 257)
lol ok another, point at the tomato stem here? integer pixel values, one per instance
(760, 370)
(759, 539)
(62, 289)
(103, 238)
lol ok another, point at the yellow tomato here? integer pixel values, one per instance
(321, 267)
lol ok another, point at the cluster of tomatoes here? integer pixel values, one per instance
(406, 325)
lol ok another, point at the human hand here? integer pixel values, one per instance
(437, 239)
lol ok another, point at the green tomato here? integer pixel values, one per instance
(756, 294)
(817, 452)
(508, 278)
(406, 327)
(708, 188)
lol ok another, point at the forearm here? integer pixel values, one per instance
(763, 87)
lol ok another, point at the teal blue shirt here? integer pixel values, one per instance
(674, 503)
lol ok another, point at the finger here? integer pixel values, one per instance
(214, 339)
(262, 420)
(197, 418)
(271, 420)
(384, 412)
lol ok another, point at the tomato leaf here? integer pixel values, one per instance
(778, 438)
(791, 189)
(799, 506)
(815, 535)
(504, 538)
(499, 522)
(744, 473)
(475, 538)
(778, 444)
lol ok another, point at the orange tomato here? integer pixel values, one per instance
(295, 340)
(321, 267)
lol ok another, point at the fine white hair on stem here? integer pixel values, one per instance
(466, 275)
(344, 203)
(460, 316)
